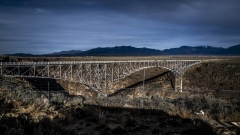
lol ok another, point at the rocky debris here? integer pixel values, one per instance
(236, 124)
(226, 131)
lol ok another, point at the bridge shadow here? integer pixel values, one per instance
(143, 121)
(133, 87)
(44, 84)
(54, 87)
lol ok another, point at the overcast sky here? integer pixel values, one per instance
(45, 26)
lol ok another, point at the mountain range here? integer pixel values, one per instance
(133, 51)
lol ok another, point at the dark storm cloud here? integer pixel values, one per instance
(43, 26)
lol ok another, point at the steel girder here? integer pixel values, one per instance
(99, 75)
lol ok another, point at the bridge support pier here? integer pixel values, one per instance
(178, 84)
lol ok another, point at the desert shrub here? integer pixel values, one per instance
(18, 98)
(136, 102)
(58, 98)
(75, 101)
(39, 99)
(166, 106)
(65, 117)
(235, 116)
(199, 69)
(185, 113)
(66, 100)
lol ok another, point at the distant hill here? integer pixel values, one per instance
(233, 50)
(71, 52)
(133, 51)
(198, 50)
(20, 54)
(120, 51)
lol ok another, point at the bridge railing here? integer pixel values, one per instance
(79, 62)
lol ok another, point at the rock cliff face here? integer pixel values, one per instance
(224, 75)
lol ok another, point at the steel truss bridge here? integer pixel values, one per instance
(98, 75)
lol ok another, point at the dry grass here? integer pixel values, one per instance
(185, 113)
(181, 105)
(233, 117)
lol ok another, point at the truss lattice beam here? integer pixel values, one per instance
(99, 75)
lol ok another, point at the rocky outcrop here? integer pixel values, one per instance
(223, 75)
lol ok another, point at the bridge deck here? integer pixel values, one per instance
(95, 74)
(87, 62)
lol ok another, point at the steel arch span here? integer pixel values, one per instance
(99, 75)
